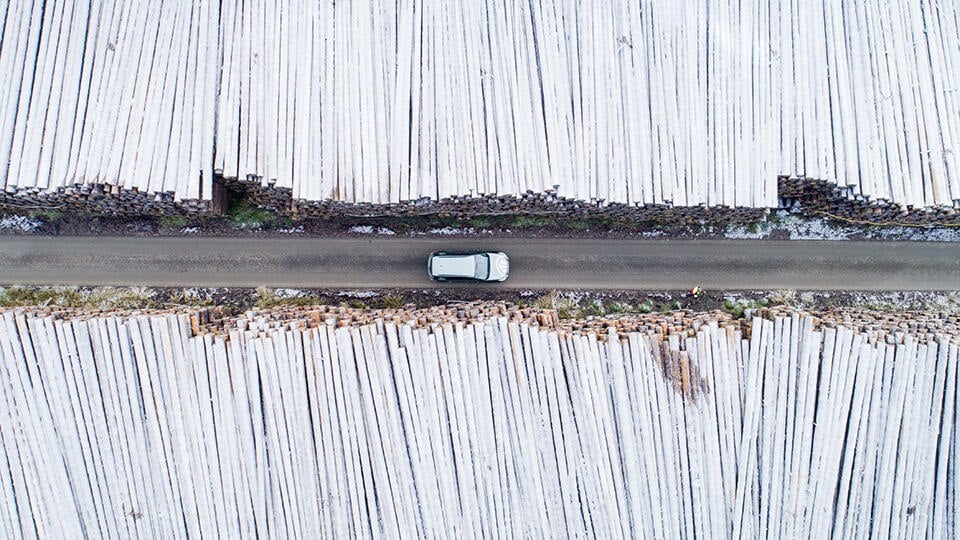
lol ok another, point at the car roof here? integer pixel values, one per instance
(454, 265)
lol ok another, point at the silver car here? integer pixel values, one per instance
(468, 266)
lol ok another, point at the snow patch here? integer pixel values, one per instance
(452, 230)
(190, 230)
(797, 227)
(742, 233)
(291, 230)
(933, 234)
(197, 295)
(358, 294)
(370, 229)
(815, 229)
(20, 223)
(289, 293)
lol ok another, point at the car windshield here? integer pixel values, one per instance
(482, 269)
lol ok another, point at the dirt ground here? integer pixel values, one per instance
(568, 303)
(779, 225)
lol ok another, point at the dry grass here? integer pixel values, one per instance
(786, 297)
(80, 297)
(567, 305)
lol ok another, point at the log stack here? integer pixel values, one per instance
(819, 197)
(103, 199)
(476, 421)
(626, 103)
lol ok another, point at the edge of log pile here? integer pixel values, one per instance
(815, 197)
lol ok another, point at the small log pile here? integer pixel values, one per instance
(103, 199)
(543, 204)
(822, 197)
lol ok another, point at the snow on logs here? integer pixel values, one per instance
(645, 102)
(126, 425)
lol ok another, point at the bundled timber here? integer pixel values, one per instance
(105, 199)
(476, 420)
(621, 102)
(819, 197)
(109, 94)
(627, 102)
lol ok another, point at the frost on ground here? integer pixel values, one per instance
(194, 296)
(812, 229)
(359, 294)
(882, 301)
(743, 233)
(370, 229)
(906, 301)
(797, 227)
(940, 234)
(289, 293)
(452, 231)
(19, 223)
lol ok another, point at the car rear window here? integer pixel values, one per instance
(482, 270)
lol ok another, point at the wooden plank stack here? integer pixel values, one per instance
(307, 423)
(639, 103)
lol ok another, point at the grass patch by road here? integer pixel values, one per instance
(77, 297)
(173, 222)
(246, 215)
(569, 304)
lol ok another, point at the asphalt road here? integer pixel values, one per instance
(536, 263)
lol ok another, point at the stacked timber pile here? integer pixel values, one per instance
(623, 101)
(114, 96)
(824, 198)
(923, 326)
(102, 198)
(529, 203)
(322, 423)
(642, 104)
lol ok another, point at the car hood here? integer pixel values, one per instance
(499, 267)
